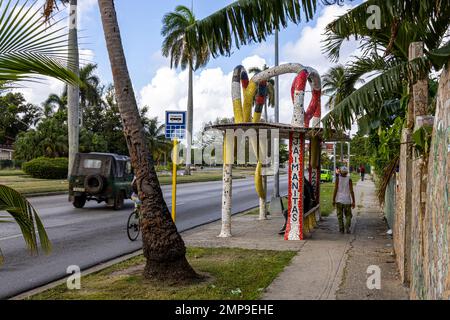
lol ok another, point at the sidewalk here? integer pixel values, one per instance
(328, 265)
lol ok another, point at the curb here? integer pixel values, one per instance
(103, 265)
(88, 271)
(44, 194)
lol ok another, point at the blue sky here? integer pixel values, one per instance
(161, 88)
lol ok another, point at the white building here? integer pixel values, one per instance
(6, 152)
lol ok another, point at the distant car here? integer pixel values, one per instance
(100, 177)
(326, 175)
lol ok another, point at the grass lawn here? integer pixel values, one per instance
(326, 201)
(326, 198)
(197, 177)
(236, 274)
(11, 172)
(27, 185)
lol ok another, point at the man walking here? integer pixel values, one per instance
(344, 199)
(362, 171)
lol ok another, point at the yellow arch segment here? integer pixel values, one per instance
(243, 113)
(256, 117)
(258, 181)
(237, 110)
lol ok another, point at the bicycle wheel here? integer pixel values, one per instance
(133, 226)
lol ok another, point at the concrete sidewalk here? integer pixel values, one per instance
(328, 265)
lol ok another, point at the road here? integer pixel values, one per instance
(97, 234)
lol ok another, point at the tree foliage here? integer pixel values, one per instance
(16, 115)
(15, 208)
(385, 53)
(246, 21)
(29, 47)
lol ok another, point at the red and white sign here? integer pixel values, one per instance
(294, 228)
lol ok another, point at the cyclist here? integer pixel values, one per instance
(134, 195)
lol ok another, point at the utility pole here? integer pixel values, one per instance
(73, 92)
(190, 114)
(277, 112)
(276, 204)
(334, 161)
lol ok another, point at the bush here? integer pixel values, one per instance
(47, 168)
(6, 164)
(17, 164)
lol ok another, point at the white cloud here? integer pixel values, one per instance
(86, 56)
(168, 91)
(84, 6)
(307, 50)
(38, 92)
(254, 61)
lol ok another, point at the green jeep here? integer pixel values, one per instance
(101, 177)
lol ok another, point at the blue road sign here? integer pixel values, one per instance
(175, 124)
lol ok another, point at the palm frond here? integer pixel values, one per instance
(26, 217)
(402, 22)
(29, 47)
(246, 21)
(374, 93)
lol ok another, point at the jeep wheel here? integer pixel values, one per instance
(94, 184)
(79, 201)
(118, 201)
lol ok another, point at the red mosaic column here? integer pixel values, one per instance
(294, 228)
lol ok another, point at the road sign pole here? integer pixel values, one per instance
(174, 180)
(175, 129)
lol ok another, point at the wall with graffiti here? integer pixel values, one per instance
(434, 269)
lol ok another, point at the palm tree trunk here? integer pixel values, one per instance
(163, 247)
(73, 92)
(190, 120)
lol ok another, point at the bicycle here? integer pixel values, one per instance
(134, 225)
(134, 220)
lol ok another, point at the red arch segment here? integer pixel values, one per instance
(299, 85)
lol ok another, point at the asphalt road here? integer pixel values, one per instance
(95, 234)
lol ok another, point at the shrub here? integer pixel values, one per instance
(6, 164)
(47, 168)
(17, 164)
(10, 164)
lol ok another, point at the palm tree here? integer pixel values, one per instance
(163, 247)
(337, 84)
(385, 53)
(89, 88)
(270, 84)
(332, 85)
(29, 50)
(157, 141)
(185, 52)
(53, 100)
